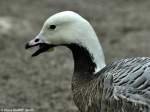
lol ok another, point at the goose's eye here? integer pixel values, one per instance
(36, 40)
(52, 27)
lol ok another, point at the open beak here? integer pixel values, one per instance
(42, 46)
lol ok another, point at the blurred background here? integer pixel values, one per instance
(44, 82)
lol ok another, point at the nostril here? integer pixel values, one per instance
(36, 40)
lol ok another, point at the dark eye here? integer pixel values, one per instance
(52, 27)
(36, 40)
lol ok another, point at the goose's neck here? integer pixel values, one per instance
(84, 77)
(86, 61)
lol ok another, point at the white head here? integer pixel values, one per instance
(66, 28)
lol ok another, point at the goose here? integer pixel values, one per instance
(121, 86)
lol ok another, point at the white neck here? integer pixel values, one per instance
(90, 41)
(96, 51)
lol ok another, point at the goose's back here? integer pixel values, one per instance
(130, 83)
(122, 86)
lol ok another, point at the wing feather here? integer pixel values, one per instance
(131, 79)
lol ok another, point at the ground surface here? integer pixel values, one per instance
(43, 83)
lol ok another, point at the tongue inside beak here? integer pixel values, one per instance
(42, 48)
(51, 49)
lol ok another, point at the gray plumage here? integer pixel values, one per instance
(122, 86)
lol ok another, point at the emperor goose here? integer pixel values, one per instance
(122, 86)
